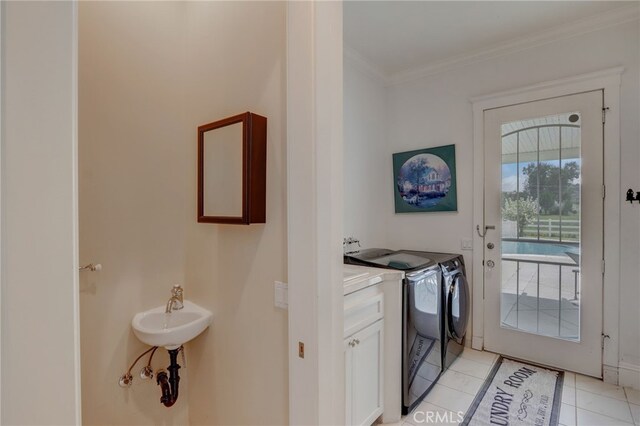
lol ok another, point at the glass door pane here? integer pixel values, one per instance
(540, 209)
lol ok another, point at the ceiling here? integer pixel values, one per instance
(550, 138)
(396, 36)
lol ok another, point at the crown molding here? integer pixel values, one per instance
(614, 72)
(604, 20)
(364, 65)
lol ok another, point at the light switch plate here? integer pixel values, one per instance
(281, 295)
(466, 244)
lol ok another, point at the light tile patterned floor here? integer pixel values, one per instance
(532, 301)
(585, 401)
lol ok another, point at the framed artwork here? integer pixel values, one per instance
(425, 180)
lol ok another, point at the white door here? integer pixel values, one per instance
(543, 261)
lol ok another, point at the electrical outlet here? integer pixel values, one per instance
(281, 295)
(466, 244)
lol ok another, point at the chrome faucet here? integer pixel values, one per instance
(176, 301)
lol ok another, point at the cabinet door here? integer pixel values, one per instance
(367, 379)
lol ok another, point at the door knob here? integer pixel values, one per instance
(490, 246)
(491, 263)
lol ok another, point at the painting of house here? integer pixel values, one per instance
(425, 179)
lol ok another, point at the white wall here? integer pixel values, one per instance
(365, 160)
(150, 74)
(436, 111)
(236, 62)
(40, 355)
(135, 197)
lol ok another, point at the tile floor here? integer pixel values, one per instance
(585, 401)
(532, 300)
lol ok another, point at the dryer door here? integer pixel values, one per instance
(458, 305)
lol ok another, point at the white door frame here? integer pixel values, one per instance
(1, 204)
(314, 209)
(62, 292)
(609, 81)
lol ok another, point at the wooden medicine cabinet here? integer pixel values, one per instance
(232, 169)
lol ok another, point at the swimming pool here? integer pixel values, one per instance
(551, 249)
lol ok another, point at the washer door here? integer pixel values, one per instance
(458, 306)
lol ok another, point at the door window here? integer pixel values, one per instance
(540, 208)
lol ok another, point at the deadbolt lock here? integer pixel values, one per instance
(490, 246)
(491, 263)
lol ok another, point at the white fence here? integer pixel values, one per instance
(549, 228)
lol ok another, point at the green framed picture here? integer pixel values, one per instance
(425, 180)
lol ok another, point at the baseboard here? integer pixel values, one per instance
(610, 374)
(477, 343)
(629, 375)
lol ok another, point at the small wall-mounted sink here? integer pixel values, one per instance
(157, 328)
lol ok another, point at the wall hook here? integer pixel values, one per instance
(631, 198)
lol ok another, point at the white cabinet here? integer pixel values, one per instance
(363, 356)
(363, 364)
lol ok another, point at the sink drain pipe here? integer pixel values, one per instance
(169, 384)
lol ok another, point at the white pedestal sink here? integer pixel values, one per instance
(171, 330)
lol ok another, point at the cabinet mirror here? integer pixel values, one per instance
(232, 170)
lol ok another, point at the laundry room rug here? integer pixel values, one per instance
(519, 394)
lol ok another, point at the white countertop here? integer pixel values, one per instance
(359, 277)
